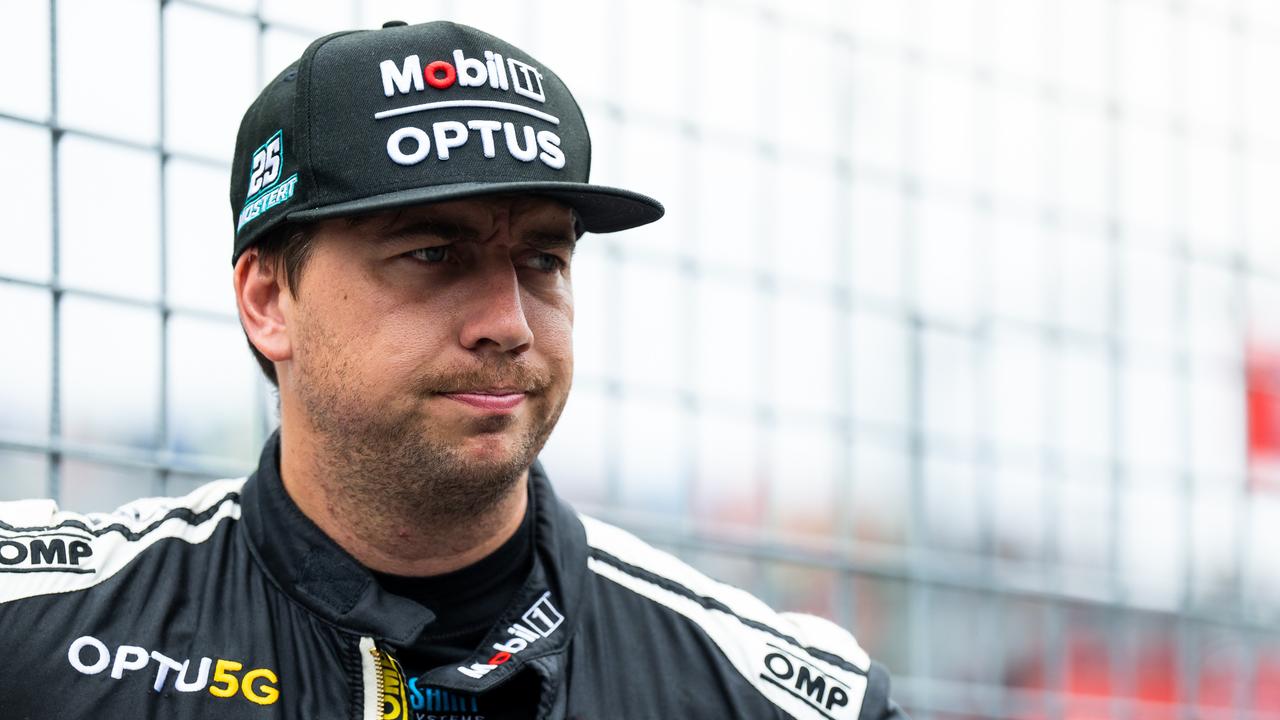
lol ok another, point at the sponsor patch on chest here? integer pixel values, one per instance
(540, 621)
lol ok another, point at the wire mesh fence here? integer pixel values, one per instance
(959, 329)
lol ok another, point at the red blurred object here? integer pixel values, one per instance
(1156, 687)
(1262, 387)
(1266, 686)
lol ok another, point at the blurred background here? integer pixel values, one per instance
(961, 329)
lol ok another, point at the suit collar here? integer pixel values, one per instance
(315, 571)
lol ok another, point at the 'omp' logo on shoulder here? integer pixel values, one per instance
(805, 681)
(45, 554)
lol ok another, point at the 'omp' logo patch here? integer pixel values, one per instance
(803, 680)
(65, 553)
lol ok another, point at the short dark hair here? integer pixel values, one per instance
(287, 247)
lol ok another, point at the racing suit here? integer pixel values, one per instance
(230, 603)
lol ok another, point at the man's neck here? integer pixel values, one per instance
(386, 538)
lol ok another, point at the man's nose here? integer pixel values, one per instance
(494, 316)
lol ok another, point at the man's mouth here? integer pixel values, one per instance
(494, 400)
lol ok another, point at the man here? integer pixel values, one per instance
(406, 201)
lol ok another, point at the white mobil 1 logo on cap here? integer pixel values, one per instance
(519, 77)
(411, 145)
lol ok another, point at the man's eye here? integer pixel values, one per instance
(546, 262)
(436, 254)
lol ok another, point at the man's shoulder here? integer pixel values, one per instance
(805, 665)
(45, 549)
(39, 515)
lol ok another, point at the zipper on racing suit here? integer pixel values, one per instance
(385, 695)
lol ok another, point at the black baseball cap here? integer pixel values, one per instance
(371, 120)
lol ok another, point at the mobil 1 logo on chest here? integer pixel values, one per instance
(540, 621)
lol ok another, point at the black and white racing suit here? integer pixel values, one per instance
(230, 603)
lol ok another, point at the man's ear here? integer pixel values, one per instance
(264, 304)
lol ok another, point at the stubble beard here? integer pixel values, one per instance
(387, 468)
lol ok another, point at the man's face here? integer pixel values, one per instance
(439, 335)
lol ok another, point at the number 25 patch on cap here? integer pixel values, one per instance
(266, 189)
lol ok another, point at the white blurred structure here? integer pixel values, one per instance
(961, 328)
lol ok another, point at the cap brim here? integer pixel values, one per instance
(601, 209)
